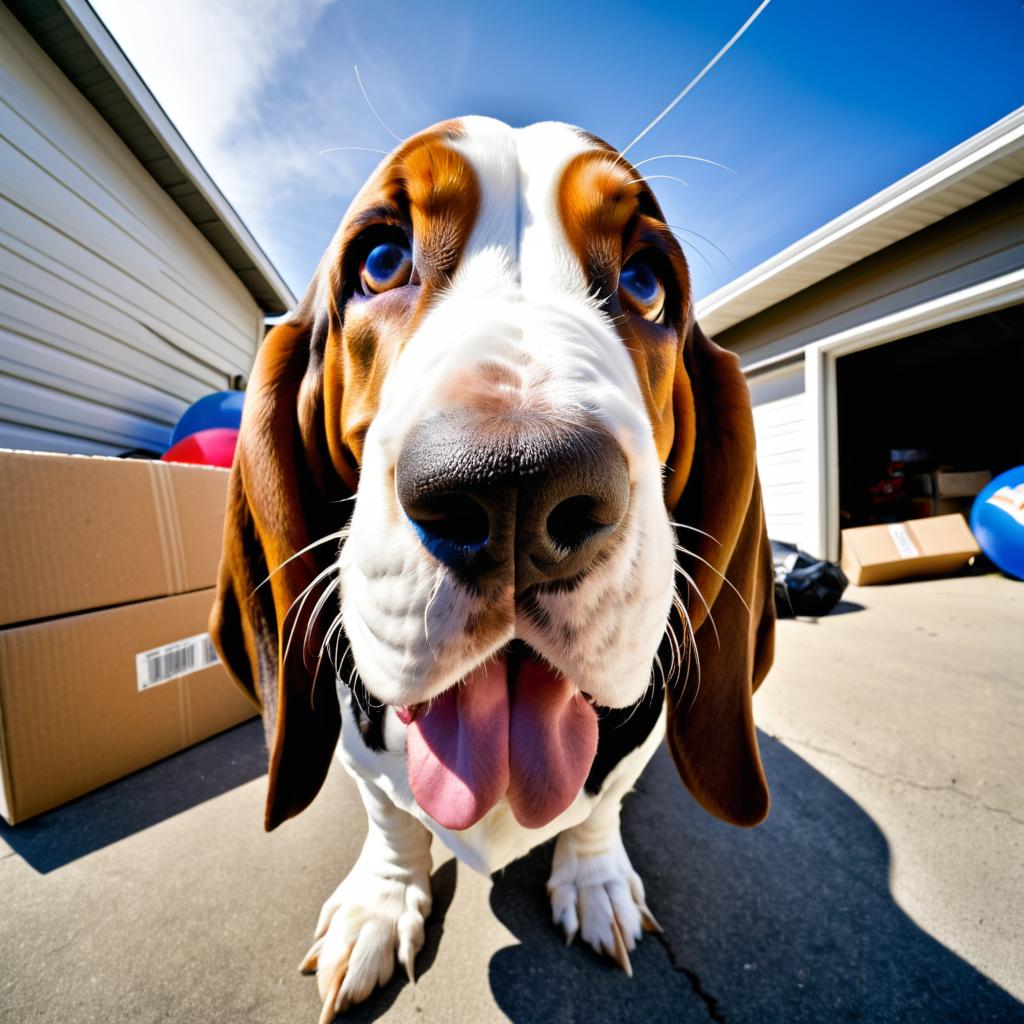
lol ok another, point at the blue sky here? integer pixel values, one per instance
(816, 108)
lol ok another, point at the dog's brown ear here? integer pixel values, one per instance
(283, 497)
(725, 580)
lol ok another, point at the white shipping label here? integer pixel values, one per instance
(162, 664)
(904, 545)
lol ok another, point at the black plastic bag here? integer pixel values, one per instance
(805, 585)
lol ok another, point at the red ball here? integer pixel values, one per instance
(213, 447)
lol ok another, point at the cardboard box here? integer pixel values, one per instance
(922, 507)
(87, 698)
(81, 531)
(947, 484)
(897, 551)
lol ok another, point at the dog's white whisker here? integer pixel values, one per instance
(693, 82)
(692, 652)
(687, 244)
(703, 533)
(339, 535)
(320, 662)
(301, 599)
(657, 666)
(340, 659)
(435, 590)
(703, 238)
(373, 109)
(659, 177)
(333, 632)
(689, 579)
(354, 690)
(725, 579)
(329, 591)
(320, 653)
(352, 149)
(683, 156)
(675, 654)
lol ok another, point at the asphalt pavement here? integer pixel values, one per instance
(886, 885)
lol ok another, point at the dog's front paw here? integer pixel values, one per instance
(599, 895)
(366, 923)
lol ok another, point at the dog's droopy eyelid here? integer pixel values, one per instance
(380, 213)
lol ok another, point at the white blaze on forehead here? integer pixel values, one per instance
(518, 238)
(547, 259)
(490, 256)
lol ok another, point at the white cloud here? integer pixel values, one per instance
(258, 88)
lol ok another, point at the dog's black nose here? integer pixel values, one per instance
(487, 497)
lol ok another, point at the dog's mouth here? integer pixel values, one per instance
(512, 728)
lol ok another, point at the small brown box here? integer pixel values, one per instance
(947, 484)
(897, 551)
(85, 699)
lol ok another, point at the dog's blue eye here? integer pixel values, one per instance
(642, 289)
(387, 265)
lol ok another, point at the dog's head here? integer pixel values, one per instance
(552, 468)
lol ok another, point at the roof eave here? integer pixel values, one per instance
(156, 143)
(979, 166)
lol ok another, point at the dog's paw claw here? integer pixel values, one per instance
(620, 953)
(649, 921)
(366, 925)
(308, 965)
(600, 897)
(408, 960)
(411, 935)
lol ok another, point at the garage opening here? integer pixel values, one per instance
(925, 421)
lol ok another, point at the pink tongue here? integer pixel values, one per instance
(457, 751)
(552, 743)
(471, 748)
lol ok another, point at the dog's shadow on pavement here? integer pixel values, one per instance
(792, 921)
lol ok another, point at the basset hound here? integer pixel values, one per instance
(495, 521)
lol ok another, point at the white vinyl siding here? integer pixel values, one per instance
(115, 311)
(780, 422)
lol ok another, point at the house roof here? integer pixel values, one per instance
(75, 39)
(983, 164)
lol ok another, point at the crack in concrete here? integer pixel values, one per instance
(710, 1002)
(900, 779)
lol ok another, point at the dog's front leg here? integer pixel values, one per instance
(378, 912)
(593, 888)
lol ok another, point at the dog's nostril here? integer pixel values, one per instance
(573, 521)
(456, 518)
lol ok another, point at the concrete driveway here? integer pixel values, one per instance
(885, 886)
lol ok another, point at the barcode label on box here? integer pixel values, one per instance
(905, 547)
(162, 664)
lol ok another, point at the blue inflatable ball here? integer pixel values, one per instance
(997, 521)
(221, 409)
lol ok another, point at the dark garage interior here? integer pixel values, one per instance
(948, 399)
